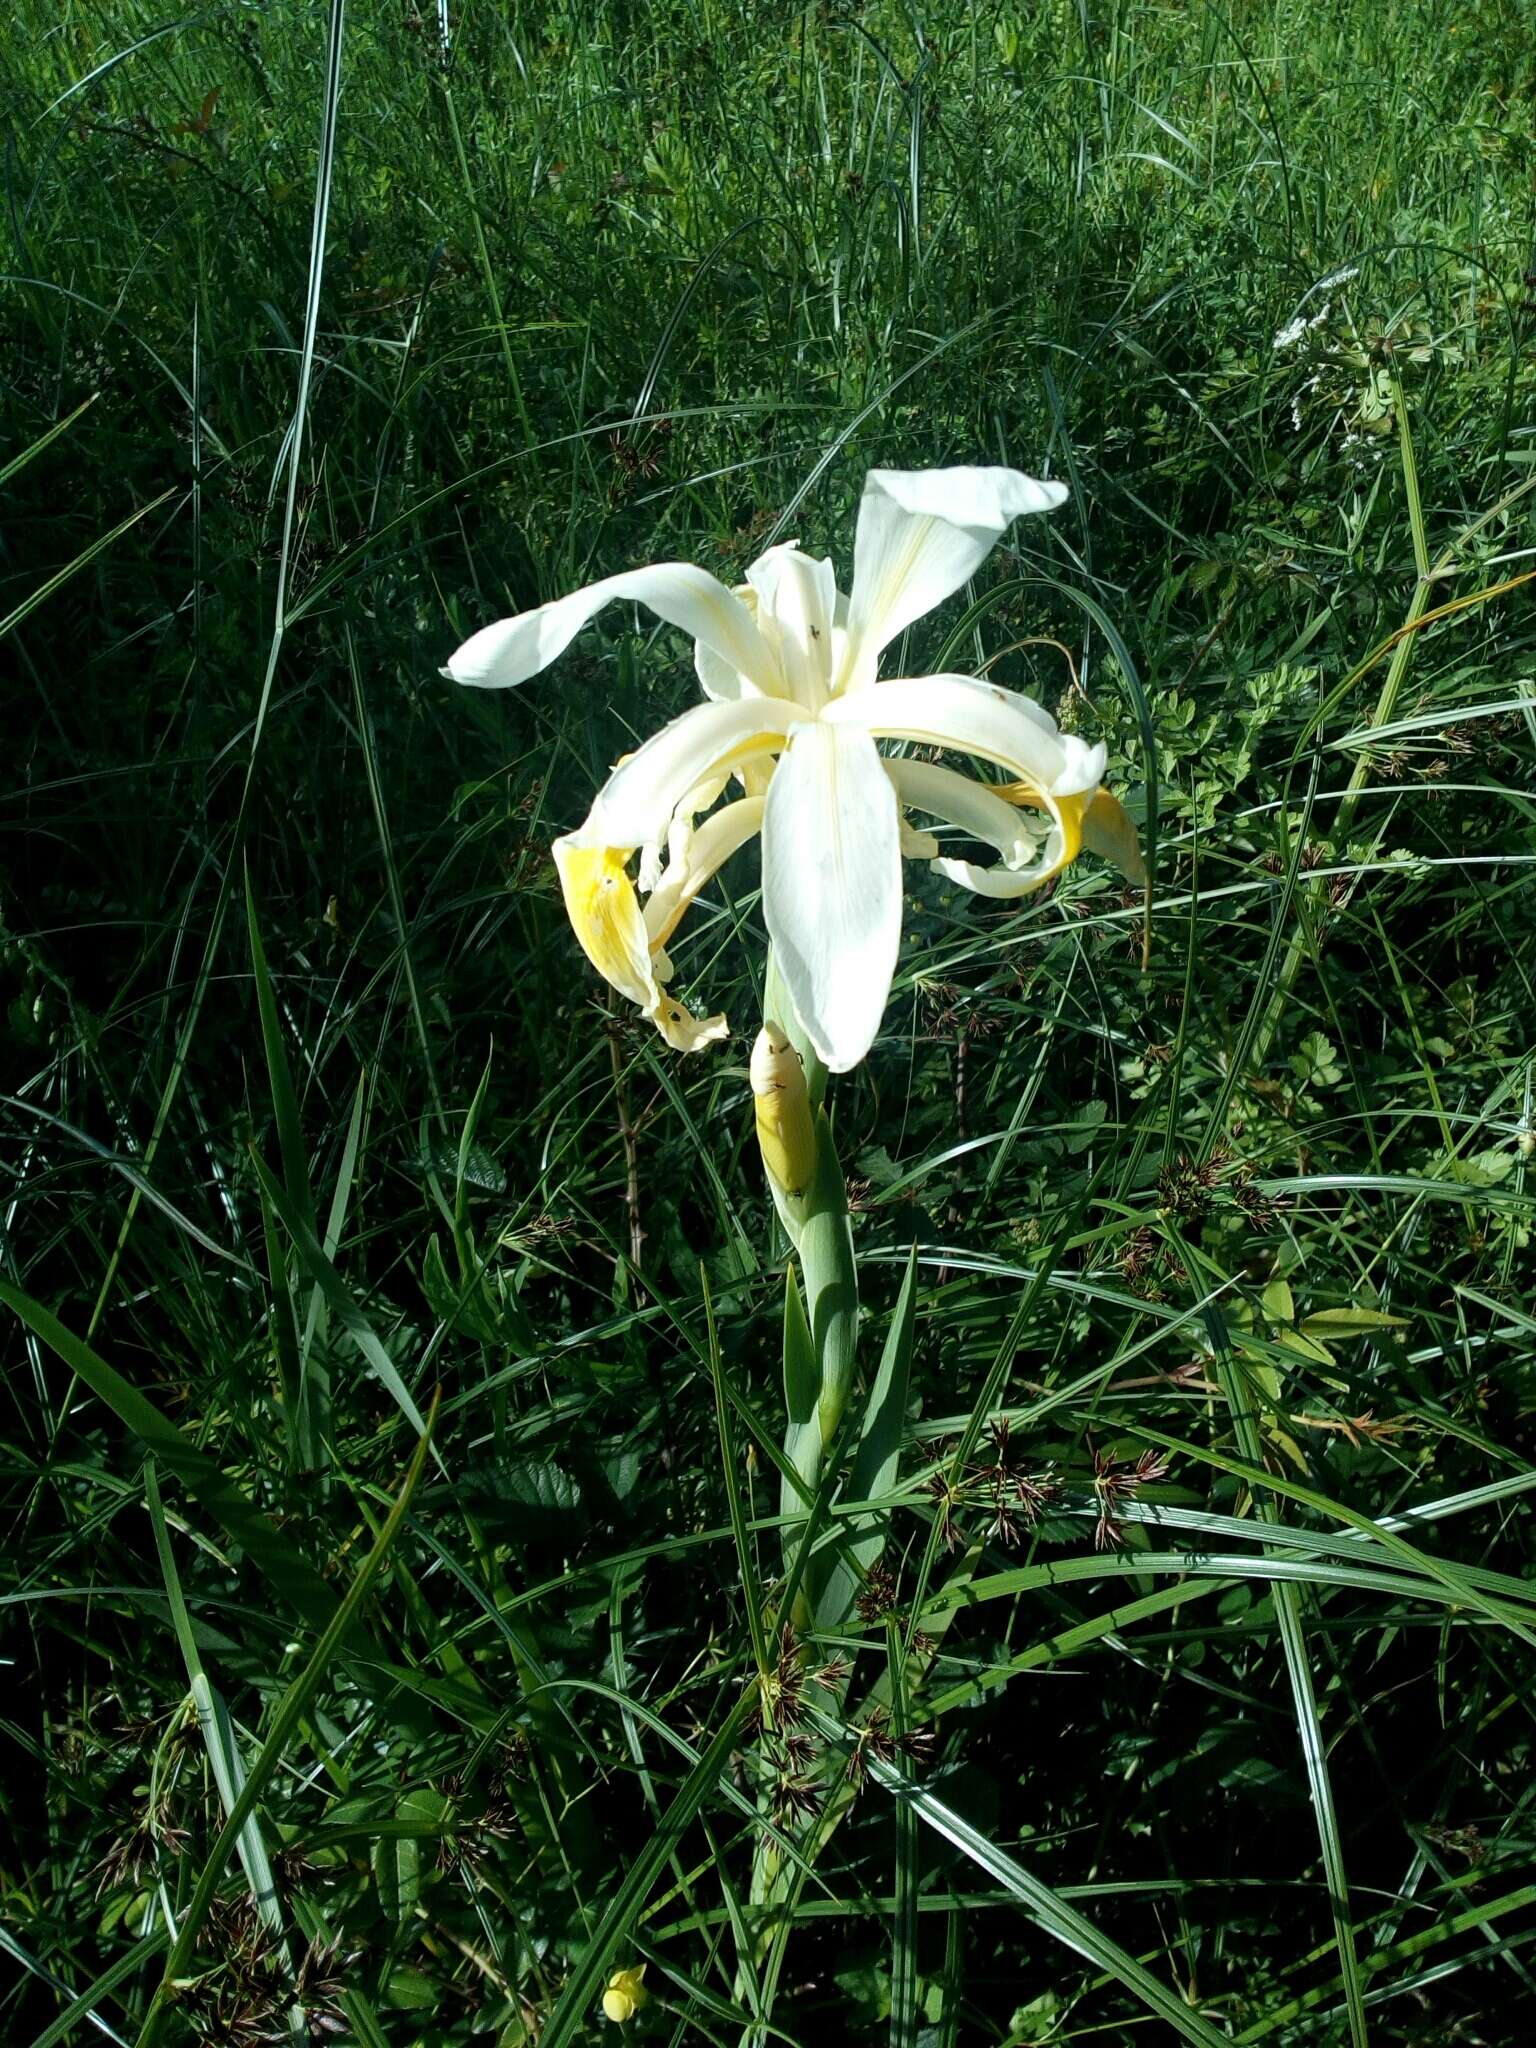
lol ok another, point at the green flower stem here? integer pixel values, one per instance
(819, 1347)
(821, 1318)
(823, 1243)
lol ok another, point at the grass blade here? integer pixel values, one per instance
(285, 1722)
(1047, 1909)
(877, 1457)
(573, 2011)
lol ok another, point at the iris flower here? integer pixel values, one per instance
(793, 713)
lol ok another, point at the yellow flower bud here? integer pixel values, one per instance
(625, 1994)
(786, 1130)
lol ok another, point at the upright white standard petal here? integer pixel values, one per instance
(832, 886)
(514, 649)
(796, 608)
(922, 533)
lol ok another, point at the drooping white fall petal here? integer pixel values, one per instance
(962, 801)
(973, 717)
(832, 886)
(499, 656)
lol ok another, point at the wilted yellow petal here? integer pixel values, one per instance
(605, 915)
(1109, 832)
(680, 1028)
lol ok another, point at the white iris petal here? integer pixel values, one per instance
(636, 804)
(511, 651)
(968, 717)
(832, 886)
(799, 597)
(963, 801)
(922, 534)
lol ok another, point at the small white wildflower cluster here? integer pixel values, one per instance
(1293, 330)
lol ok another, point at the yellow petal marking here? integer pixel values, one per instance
(1067, 812)
(606, 917)
(1094, 819)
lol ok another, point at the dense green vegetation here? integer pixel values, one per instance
(1206, 1611)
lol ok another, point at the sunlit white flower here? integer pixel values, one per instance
(794, 711)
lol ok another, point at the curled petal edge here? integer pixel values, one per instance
(1090, 818)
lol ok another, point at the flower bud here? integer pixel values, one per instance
(786, 1129)
(625, 1994)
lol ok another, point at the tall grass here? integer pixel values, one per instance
(331, 336)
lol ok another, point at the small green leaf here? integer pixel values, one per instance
(469, 1309)
(1084, 1128)
(411, 1990)
(476, 1168)
(396, 1863)
(1315, 1062)
(1279, 1304)
(425, 1806)
(1305, 1347)
(1349, 1322)
(539, 1483)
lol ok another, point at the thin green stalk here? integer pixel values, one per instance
(487, 270)
(751, 1591)
(290, 1711)
(1288, 1614)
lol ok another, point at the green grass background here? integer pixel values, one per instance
(322, 348)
